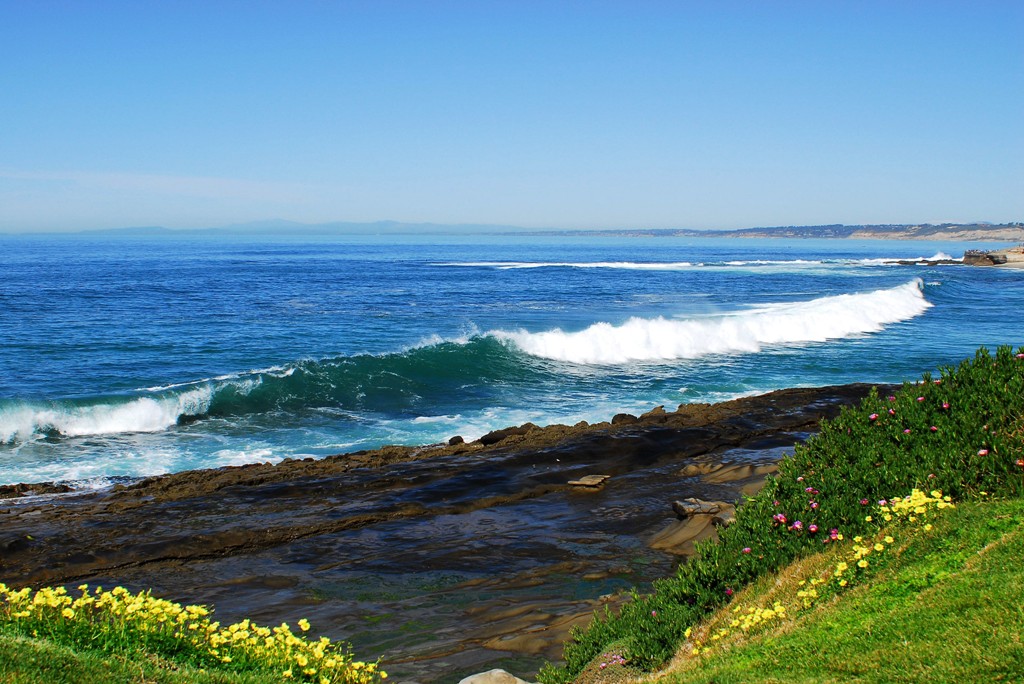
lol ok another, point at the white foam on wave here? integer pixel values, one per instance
(97, 471)
(896, 261)
(774, 262)
(237, 457)
(144, 414)
(626, 265)
(748, 331)
(238, 379)
(425, 420)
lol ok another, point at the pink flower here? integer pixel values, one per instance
(801, 478)
(814, 504)
(775, 503)
(931, 476)
(983, 452)
(945, 404)
(907, 431)
(920, 398)
(1020, 462)
(863, 502)
(812, 528)
(779, 519)
(797, 526)
(728, 592)
(834, 533)
(873, 416)
(892, 412)
(933, 428)
(881, 502)
(654, 613)
(938, 382)
(746, 549)
(892, 398)
(1020, 356)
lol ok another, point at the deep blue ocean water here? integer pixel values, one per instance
(127, 356)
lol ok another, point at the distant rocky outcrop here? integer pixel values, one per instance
(1014, 256)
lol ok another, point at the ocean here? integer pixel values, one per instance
(125, 356)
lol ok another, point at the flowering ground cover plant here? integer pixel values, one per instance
(848, 568)
(961, 433)
(939, 603)
(119, 621)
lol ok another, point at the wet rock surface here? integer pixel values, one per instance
(447, 560)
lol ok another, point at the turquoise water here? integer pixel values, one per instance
(131, 356)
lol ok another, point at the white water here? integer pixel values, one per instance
(660, 339)
(687, 265)
(145, 414)
(625, 265)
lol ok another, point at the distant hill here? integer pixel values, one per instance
(993, 232)
(942, 231)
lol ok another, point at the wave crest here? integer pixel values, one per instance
(661, 339)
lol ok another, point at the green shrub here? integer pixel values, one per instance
(960, 433)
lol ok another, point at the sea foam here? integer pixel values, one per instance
(19, 422)
(748, 331)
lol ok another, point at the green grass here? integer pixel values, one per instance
(26, 660)
(947, 606)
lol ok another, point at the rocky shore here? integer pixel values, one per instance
(448, 559)
(1012, 257)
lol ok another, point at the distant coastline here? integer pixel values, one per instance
(954, 232)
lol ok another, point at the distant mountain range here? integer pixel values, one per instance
(991, 232)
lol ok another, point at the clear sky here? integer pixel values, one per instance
(588, 114)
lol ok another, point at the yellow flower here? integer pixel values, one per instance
(889, 540)
(304, 625)
(879, 547)
(68, 613)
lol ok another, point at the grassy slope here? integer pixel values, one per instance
(947, 606)
(39, 661)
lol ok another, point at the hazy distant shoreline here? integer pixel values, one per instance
(954, 232)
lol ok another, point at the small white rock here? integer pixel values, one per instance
(495, 676)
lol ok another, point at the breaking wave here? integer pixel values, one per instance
(423, 380)
(661, 339)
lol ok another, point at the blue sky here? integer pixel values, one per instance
(594, 114)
